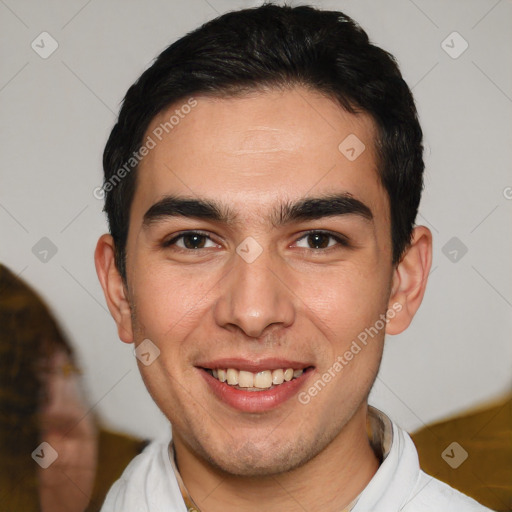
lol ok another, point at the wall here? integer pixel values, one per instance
(56, 114)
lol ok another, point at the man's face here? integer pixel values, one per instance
(282, 299)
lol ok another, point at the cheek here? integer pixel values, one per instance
(166, 299)
(347, 300)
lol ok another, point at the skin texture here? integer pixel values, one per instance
(295, 301)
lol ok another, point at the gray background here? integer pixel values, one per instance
(56, 114)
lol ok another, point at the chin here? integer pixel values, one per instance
(250, 460)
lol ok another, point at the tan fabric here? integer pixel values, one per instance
(486, 435)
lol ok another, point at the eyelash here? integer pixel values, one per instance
(342, 241)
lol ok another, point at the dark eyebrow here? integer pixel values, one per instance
(312, 208)
(174, 206)
(309, 208)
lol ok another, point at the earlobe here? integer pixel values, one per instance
(410, 280)
(113, 287)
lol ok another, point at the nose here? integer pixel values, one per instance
(255, 297)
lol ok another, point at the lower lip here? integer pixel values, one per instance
(254, 401)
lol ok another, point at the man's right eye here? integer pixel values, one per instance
(190, 240)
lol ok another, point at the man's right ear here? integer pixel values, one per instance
(113, 287)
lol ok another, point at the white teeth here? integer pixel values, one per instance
(263, 379)
(277, 376)
(260, 380)
(245, 379)
(232, 376)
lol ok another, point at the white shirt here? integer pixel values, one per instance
(151, 482)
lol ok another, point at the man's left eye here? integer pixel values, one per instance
(320, 240)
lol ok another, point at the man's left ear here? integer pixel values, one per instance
(410, 280)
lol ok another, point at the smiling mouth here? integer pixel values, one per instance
(259, 381)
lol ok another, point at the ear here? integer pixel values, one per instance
(113, 287)
(410, 281)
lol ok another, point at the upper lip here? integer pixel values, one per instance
(252, 365)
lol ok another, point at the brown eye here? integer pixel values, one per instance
(193, 241)
(190, 241)
(318, 240)
(322, 240)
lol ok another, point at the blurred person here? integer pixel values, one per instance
(41, 400)
(261, 186)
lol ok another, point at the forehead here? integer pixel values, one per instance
(249, 150)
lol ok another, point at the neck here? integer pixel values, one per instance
(330, 481)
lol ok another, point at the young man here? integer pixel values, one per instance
(262, 183)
